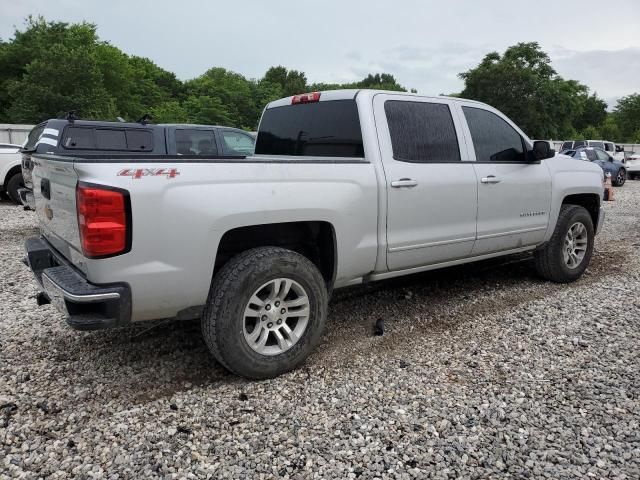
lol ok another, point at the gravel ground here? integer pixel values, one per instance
(483, 371)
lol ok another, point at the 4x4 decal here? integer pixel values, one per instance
(149, 172)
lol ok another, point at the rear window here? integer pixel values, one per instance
(323, 129)
(88, 138)
(421, 132)
(34, 136)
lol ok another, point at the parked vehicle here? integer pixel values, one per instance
(633, 166)
(616, 151)
(10, 174)
(346, 187)
(604, 160)
(97, 139)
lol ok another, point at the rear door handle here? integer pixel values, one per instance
(404, 182)
(490, 179)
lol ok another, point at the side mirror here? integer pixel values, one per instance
(611, 159)
(542, 150)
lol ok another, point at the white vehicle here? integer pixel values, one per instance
(633, 166)
(345, 187)
(10, 170)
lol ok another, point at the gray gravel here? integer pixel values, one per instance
(483, 371)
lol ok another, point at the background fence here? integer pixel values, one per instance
(10, 133)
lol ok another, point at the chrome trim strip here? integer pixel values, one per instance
(512, 232)
(431, 244)
(95, 297)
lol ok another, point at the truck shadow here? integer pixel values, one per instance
(150, 362)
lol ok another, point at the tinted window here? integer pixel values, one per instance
(78, 137)
(421, 132)
(140, 140)
(34, 136)
(596, 144)
(236, 143)
(591, 155)
(608, 147)
(196, 142)
(494, 139)
(107, 139)
(324, 129)
(579, 143)
(566, 145)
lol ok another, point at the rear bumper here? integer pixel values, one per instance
(27, 198)
(86, 306)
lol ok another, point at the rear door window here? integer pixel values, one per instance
(194, 141)
(494, 140)
(323, 129)
(237, 143)
(422, 132)
(579, 143)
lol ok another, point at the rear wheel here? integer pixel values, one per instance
(621, 177)
(567, 254)
(266, 312)
(15, 182)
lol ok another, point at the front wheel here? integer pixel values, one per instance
(567, 254)
(266, 312)
(621, 177)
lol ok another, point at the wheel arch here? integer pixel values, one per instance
(589, 201)
(10, 173)
(316, 240)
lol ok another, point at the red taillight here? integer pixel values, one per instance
(306, 98)
(102, 218)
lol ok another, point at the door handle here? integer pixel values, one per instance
(404, 182)
(490, 179)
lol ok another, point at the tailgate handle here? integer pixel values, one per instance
(45, 188)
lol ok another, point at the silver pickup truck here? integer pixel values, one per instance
(345, 187)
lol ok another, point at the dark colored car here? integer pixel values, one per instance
(87, 137)
(607, 162)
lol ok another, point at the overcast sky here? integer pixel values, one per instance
(424, 43)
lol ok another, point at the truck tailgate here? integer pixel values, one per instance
(54, 189)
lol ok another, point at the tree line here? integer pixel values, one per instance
(50, 68)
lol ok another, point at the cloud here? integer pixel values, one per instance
(610, 73)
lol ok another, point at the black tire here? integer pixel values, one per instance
(620, 179)
(15, 182)
(549, 260)
(231, 289)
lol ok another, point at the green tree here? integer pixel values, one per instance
(522, 84)
(594, 112)
(609, 129)
(627, 116)
(292, 82)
